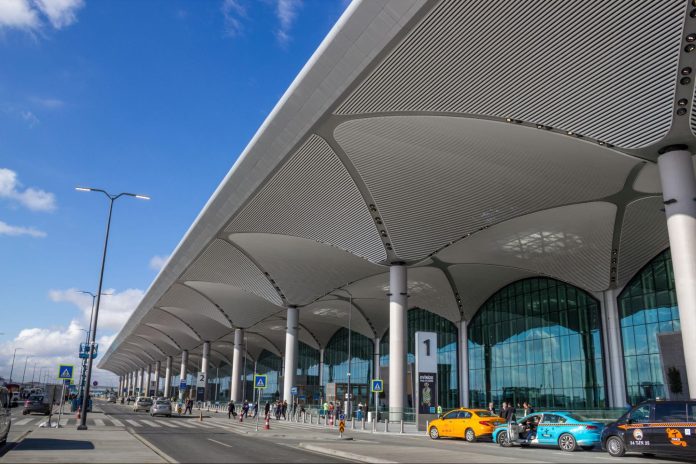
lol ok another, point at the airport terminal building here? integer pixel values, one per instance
(518, 179)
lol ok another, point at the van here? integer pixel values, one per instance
(654, 427)
(5, 415)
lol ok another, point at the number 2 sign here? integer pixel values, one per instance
(201, 379)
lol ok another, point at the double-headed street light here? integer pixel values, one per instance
(25, 368)
(93, 322)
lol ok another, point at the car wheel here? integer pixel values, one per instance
(567, 442)
(434, 433)
(502, 439)
(469, 435)
(615, 446)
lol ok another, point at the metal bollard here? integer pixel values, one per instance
(352, 423)
(374, 425)
(386, 425)
(402, 426)
(363, 424)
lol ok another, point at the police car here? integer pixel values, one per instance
(654, 427)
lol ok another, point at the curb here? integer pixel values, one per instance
(344, 454)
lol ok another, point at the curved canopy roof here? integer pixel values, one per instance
(476, 144)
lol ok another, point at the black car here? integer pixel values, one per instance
(654, 427)
(37, 403)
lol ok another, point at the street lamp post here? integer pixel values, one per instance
(32, 374)
(84, 360)
(93, 322)
(13, 360)
(25, 368)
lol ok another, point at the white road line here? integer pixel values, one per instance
(24, 421)
(167, 424)
(220, 443)
(133, 423)
(116, 422)
(99, 422)
(150, 423)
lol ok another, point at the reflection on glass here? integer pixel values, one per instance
(648, 307)
(537, 340)
(421, 320)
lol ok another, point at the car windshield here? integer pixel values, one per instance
(485, 414)
(35, 398)
(165, 403)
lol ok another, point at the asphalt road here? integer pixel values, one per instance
(186, 439)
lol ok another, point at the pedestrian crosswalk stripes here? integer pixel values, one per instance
(117, 422)
(133, 423)
(99, 422)
(24, 421)
(168, 424)
(150, 423)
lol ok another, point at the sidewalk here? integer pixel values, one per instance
(69, 445)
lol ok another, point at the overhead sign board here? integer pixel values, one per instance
(426, 377)
(182, 385)
(260, 381)
(65, 371)
(201, 380)
(293, 391)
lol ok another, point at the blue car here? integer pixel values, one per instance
(566, 430)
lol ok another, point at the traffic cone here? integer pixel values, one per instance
(78, 412)
(200, 415)
(241, 417)
(267, 425)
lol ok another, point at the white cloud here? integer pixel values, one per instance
(286, 12)
(48, 103)
(30, 15)
(15, 231)
(30, 118)
(233, 12)
(47, 348)
(158, 262)
(114, 309)
(35, 200)
(18, 14)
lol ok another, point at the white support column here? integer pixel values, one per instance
(158, 368)
(129, 380)
(464, 363)
(148, 382)
(205, 360)
(168, 377)
(235, 384)
(613, 358)
(182, 372)
(398, 308)
(290, 353)
(143, 390)
(375, 370)
(321, 369)
(679, 194)
(133, 381)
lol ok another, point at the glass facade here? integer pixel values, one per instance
(647, 307)
(537, 340)
(336, 365)
(271, 365)
(421, 320)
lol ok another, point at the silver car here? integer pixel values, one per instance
(162, 408)
(5, 419)
(142, 403)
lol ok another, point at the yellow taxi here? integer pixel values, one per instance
(470, 424)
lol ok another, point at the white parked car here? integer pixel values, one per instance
(161, 408)
(142, 403)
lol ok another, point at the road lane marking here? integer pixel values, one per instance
(116, 422)
(167, 424)
(99, 422)
(24, 421)
(133, 423)
(220, 443)
(150, 423)
(188, 426)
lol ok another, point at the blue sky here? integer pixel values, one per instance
(156, 97)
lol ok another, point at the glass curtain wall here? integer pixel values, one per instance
(271, 365)
(537, 340)
(648, 307)
(336, 366)
(421, 320)
(219, 383)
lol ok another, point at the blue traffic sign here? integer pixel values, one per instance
(293, 391)
(65, 371)
(182, 385)
(260, 381)
(377, 386)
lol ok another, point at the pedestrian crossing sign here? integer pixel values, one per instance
(377, 386)
(65, 371)
(260, 381)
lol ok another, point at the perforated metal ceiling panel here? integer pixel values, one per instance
(223, 263)
(305, 270)
(648, 179)
(313, 196)
(244, 309)
(435, 179)
(571, 243)
(643, 236)
(478, 282)
(189, 300)
(602, 69)
(324, 317)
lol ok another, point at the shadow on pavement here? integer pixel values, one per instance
(40, 444)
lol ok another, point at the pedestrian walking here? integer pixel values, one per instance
(267, 409)
(491, 408)
(528, 409)
(189, 406)
(256, 409)
(230, 410)
(245, 409)
(284, 410)
(510, 413)
(503, 409)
